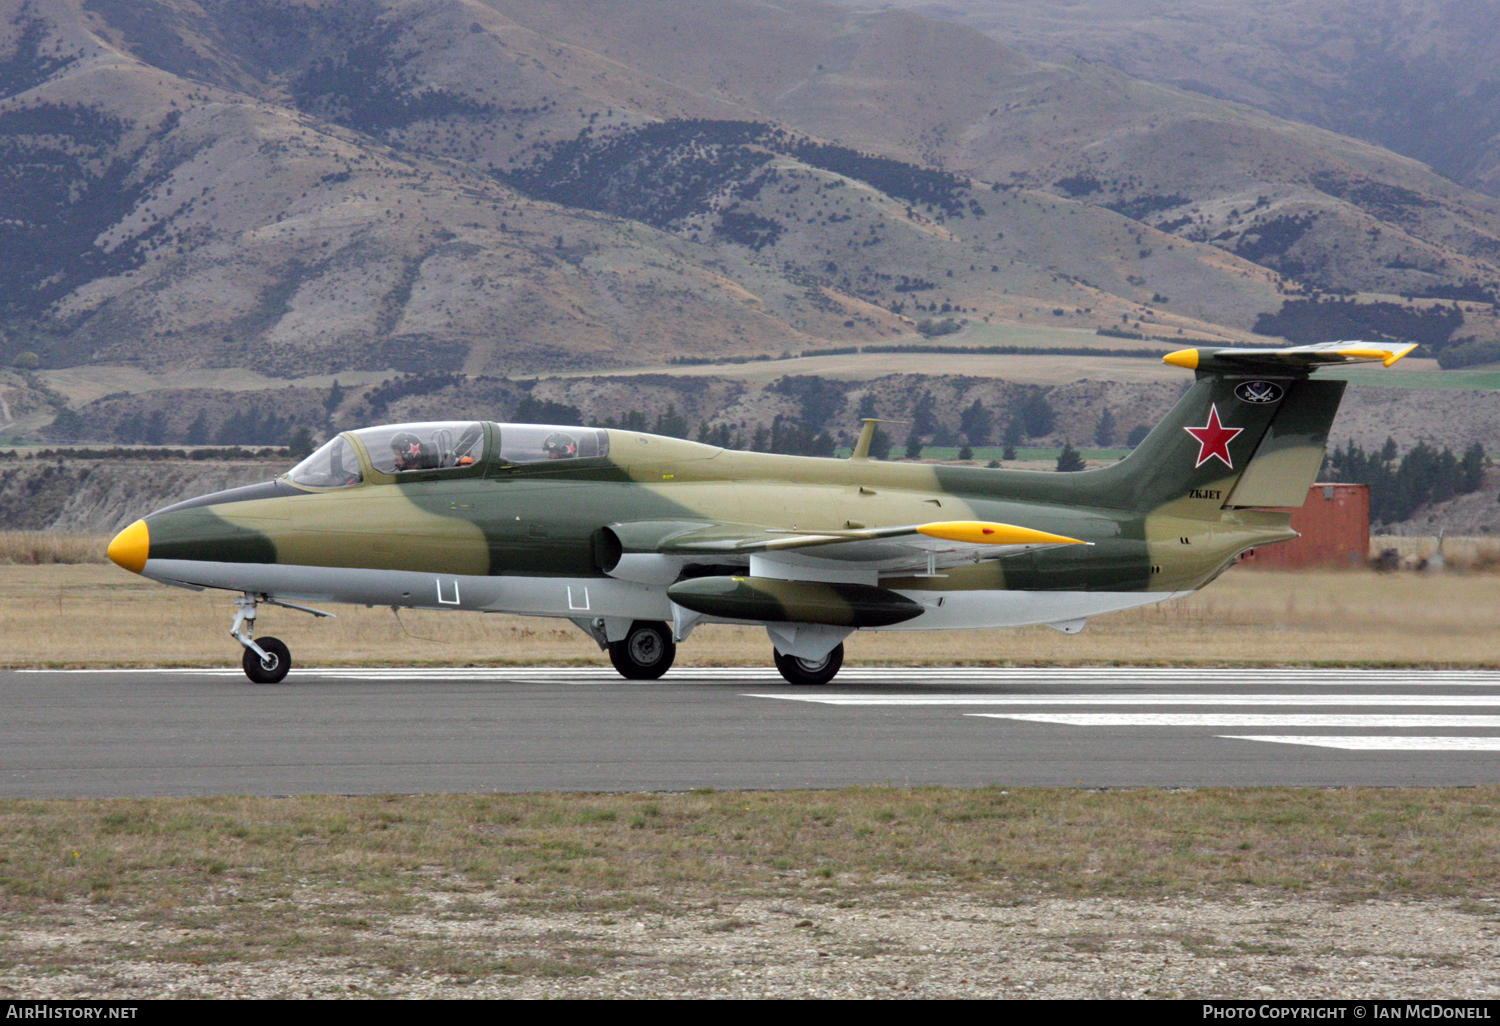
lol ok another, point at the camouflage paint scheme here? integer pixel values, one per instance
(634, 535)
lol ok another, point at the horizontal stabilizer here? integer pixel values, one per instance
(1290, 358)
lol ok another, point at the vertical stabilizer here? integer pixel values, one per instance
(1251, 431)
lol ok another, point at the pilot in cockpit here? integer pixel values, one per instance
(559, 446)
(411, 454)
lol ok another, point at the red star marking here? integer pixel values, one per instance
(1213, 439)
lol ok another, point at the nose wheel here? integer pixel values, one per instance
(270, 668)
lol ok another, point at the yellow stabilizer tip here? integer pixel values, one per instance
(1183, 358)
(1385, 356)
(979, 532)
(130, 547)
(1396, 354)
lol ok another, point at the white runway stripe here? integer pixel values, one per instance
(1118, 688)
(1379, 744)
(1142, 699)
(1245, 720)
(1049, 676)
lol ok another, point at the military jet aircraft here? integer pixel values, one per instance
(637, 538)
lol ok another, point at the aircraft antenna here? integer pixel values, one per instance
(867, 435)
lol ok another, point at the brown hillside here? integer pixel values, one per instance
(302, 187)
(1414, 76)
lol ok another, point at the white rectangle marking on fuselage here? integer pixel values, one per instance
(1244, 720)
(1379, 744)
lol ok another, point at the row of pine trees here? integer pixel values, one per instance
(1400, 485)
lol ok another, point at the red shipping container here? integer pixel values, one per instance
(1334, 522)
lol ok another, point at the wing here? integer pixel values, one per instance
(914, 547)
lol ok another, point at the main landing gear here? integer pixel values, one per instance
(268, 660)
(645, 653)
(647, 648)
(810, 671)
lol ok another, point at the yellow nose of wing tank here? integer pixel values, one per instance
(131, 546)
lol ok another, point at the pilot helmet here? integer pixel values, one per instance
(559, 446)
(408, 450)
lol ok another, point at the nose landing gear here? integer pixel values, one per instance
(266, 661)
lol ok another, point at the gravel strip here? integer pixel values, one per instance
(927, 948)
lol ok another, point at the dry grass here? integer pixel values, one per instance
(1481, 555)
(239, 880)
(1348, 844)
(34, 548)
(55, 615)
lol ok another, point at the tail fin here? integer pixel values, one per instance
(1250, 432)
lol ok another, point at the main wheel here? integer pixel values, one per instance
(274, 669)
(810, 671)
(645, 653)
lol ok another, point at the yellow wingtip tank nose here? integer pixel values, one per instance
(1183, 358)
(131, 546)
(979, 532)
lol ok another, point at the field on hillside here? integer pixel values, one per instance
(1482, 379)
(98, 615)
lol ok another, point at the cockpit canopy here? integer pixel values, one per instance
(396, 449)
(532, 443)
(334, 465)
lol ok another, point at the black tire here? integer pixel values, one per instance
(645, 653)
(273, 672)
(810, 671)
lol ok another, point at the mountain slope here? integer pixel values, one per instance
(1418, 77)
(303, 187)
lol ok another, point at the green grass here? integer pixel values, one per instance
(1395, 378)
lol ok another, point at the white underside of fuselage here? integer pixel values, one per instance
(590, 597)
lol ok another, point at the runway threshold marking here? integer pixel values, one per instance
(1244, 719)
(1038, 680)
(1142, 699)
(1290, 708)
(1378, 744)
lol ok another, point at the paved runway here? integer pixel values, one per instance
(361, 731)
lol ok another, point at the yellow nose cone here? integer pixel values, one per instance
(131, 546)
